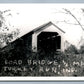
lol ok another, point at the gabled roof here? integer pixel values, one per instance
(41, 28)
(44, 26)
(34, 30)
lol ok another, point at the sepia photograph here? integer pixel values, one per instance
(42, 40)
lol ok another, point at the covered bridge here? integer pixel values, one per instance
(48, 37)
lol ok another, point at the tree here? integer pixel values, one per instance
(5, 36)
(77, 21)
(71, 49)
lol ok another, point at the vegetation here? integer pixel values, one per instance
(68, 63)
(6, 36)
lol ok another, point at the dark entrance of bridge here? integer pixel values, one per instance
(49, 41)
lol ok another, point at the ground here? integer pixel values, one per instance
(42, 64)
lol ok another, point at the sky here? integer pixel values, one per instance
(27, 17)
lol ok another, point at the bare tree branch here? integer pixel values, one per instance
(67, 22)
(82, 9)
(74, 18)
(69, 12)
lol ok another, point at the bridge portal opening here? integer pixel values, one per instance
(48, 41)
